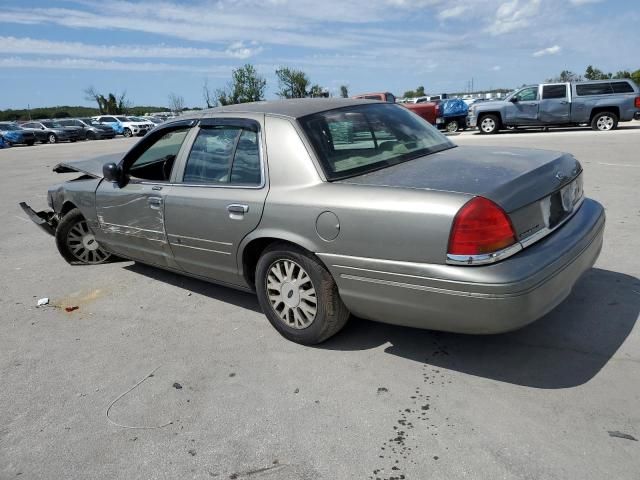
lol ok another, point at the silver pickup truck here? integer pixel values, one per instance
(601, 104)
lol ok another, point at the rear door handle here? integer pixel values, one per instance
(237, 210)
(154, 202)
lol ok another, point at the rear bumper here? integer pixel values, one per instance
(46, 220)
(480, 300)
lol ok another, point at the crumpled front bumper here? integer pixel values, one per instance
(47, 220)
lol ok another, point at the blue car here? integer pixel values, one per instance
(12, 134)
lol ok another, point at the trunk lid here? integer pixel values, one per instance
(92, 166)
(511, 177)
(538, 189)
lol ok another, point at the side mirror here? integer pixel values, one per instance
(513, 99)
(112, 172)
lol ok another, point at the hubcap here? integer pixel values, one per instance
(488, 125)
(605, 123)
(83, 244)
(452, 127)
(292, 294)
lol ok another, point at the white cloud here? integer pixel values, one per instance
(452, 12)
(88, 64)
(547, 51)
(584, 2)
(513, 15)
(28, 45)
(496, 68)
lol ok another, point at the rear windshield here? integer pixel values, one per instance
(360, 139)
(8, 126)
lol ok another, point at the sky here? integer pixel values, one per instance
(51, 51)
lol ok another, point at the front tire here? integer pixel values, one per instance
(298, 295)
(127, 133)
(76, 242)
(604, 121)
(489, 124)
(51, 138)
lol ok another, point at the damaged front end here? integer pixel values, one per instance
(47, 220)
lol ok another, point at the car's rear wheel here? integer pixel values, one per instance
(489, 124)
(51, 138)
(453, 126)
(298, 295)
(127, 133)
(30, 143)
(76, 242)
(604, 121)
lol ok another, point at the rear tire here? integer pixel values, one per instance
(298, 295)
(30, 144)
(76, 242)
(489, 124)
(604, 121)
(452, 126)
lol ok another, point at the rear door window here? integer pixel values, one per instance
(224, 155)
(554, 91)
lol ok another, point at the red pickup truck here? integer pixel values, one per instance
(426, 110)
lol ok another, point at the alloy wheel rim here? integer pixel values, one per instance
(488, 124)
(52, 139)
(452, 127)
(83, 244)
(292, 294)
(605, 123)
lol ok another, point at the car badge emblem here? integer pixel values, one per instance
(561, 176)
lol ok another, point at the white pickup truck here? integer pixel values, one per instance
(601, 104)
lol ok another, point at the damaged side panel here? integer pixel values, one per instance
(131, 222)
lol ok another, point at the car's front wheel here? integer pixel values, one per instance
(298, 295)
(51, 138)
(76, 242)
(489, 124)
(127, 133)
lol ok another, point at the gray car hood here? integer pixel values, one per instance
(511, 177)
(92, 166)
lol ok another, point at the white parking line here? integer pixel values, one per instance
(619, 165)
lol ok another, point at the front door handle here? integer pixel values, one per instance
(154, 202)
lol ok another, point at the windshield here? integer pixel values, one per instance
(355, 140)
(88, 121)
(52, 125)
(8, 126)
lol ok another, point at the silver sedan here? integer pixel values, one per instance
(327, 208)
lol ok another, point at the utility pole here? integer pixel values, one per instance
(29, 111)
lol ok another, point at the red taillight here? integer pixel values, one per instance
(637, 102)
(480, 227)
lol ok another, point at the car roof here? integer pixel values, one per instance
(294, 108)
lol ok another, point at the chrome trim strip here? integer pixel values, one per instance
(488, 258)
(484, 258)
(198, 248)
(200, 239)
(128, 227)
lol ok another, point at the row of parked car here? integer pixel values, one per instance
(74, 129)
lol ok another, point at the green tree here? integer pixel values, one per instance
(592, 73)
(622, 74)
(635, 76)
(420, 91)
(292, 83)
(344, 91)
(566, 76)
(247, 85)
(409, 94)
(318, 92)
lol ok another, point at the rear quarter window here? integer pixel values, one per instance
(594, 89)
(622, 87)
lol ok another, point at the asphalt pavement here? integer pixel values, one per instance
(159, 376)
